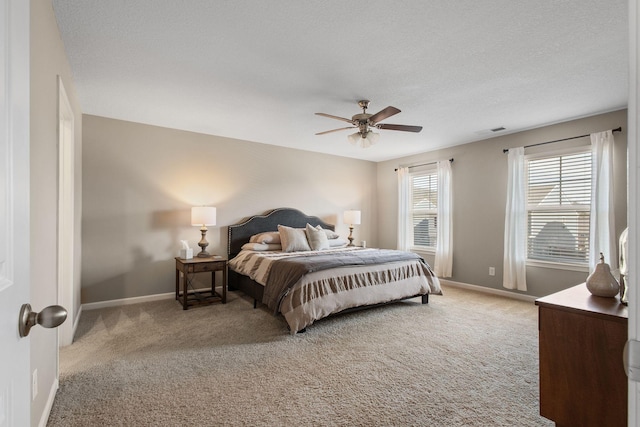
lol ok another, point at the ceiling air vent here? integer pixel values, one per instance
(500, 129)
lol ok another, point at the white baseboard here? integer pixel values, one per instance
(170, 295)
(127, 301)
(49, 404)
(76, 322)
(492, 291)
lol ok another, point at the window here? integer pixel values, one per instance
(424, 209)
(558, 207)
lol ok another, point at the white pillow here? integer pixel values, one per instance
(266, 237)
(262, 247)
(336, 243)
(317, 238)
(330, 233)
(293, 239)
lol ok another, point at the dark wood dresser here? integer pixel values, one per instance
(582, 378)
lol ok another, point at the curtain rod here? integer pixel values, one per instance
(423, 164)
(506, 150)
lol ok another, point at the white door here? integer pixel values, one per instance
(15, 398)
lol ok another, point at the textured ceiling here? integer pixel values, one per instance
(258, 70)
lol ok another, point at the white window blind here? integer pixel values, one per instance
(424, 208)
(558, 204)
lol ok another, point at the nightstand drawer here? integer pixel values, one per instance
(209, 266)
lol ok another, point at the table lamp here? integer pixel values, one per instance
(203, 216)
(352, 218)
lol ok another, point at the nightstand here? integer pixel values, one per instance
(186, 269)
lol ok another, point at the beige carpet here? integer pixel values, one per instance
(466, 359)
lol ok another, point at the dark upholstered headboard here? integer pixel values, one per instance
(239, 234)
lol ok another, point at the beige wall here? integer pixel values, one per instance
(140, 181)
(48, 61)
(479, 197)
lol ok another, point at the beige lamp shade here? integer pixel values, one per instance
(352, 217)
(203, 215)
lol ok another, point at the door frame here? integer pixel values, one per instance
(66, 216)
(633, 207)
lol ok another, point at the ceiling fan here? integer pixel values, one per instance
(364, 121)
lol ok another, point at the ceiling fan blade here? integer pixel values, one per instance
(335, 117)
(334, 130)
(405, 128)
(383, 114)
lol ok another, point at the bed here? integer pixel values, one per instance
(308, 283)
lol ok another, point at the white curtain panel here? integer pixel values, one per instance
(515, 224)
(602, 207)
(405, 239)
(443, 266)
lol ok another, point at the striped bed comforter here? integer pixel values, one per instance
(325, 291)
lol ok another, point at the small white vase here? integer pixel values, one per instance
(601, 282)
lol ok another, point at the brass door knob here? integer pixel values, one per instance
(50, 317)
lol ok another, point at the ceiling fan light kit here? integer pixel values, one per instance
(364, 122)
(363, 140)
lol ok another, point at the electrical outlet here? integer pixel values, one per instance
(34, 384)
(492, 271)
